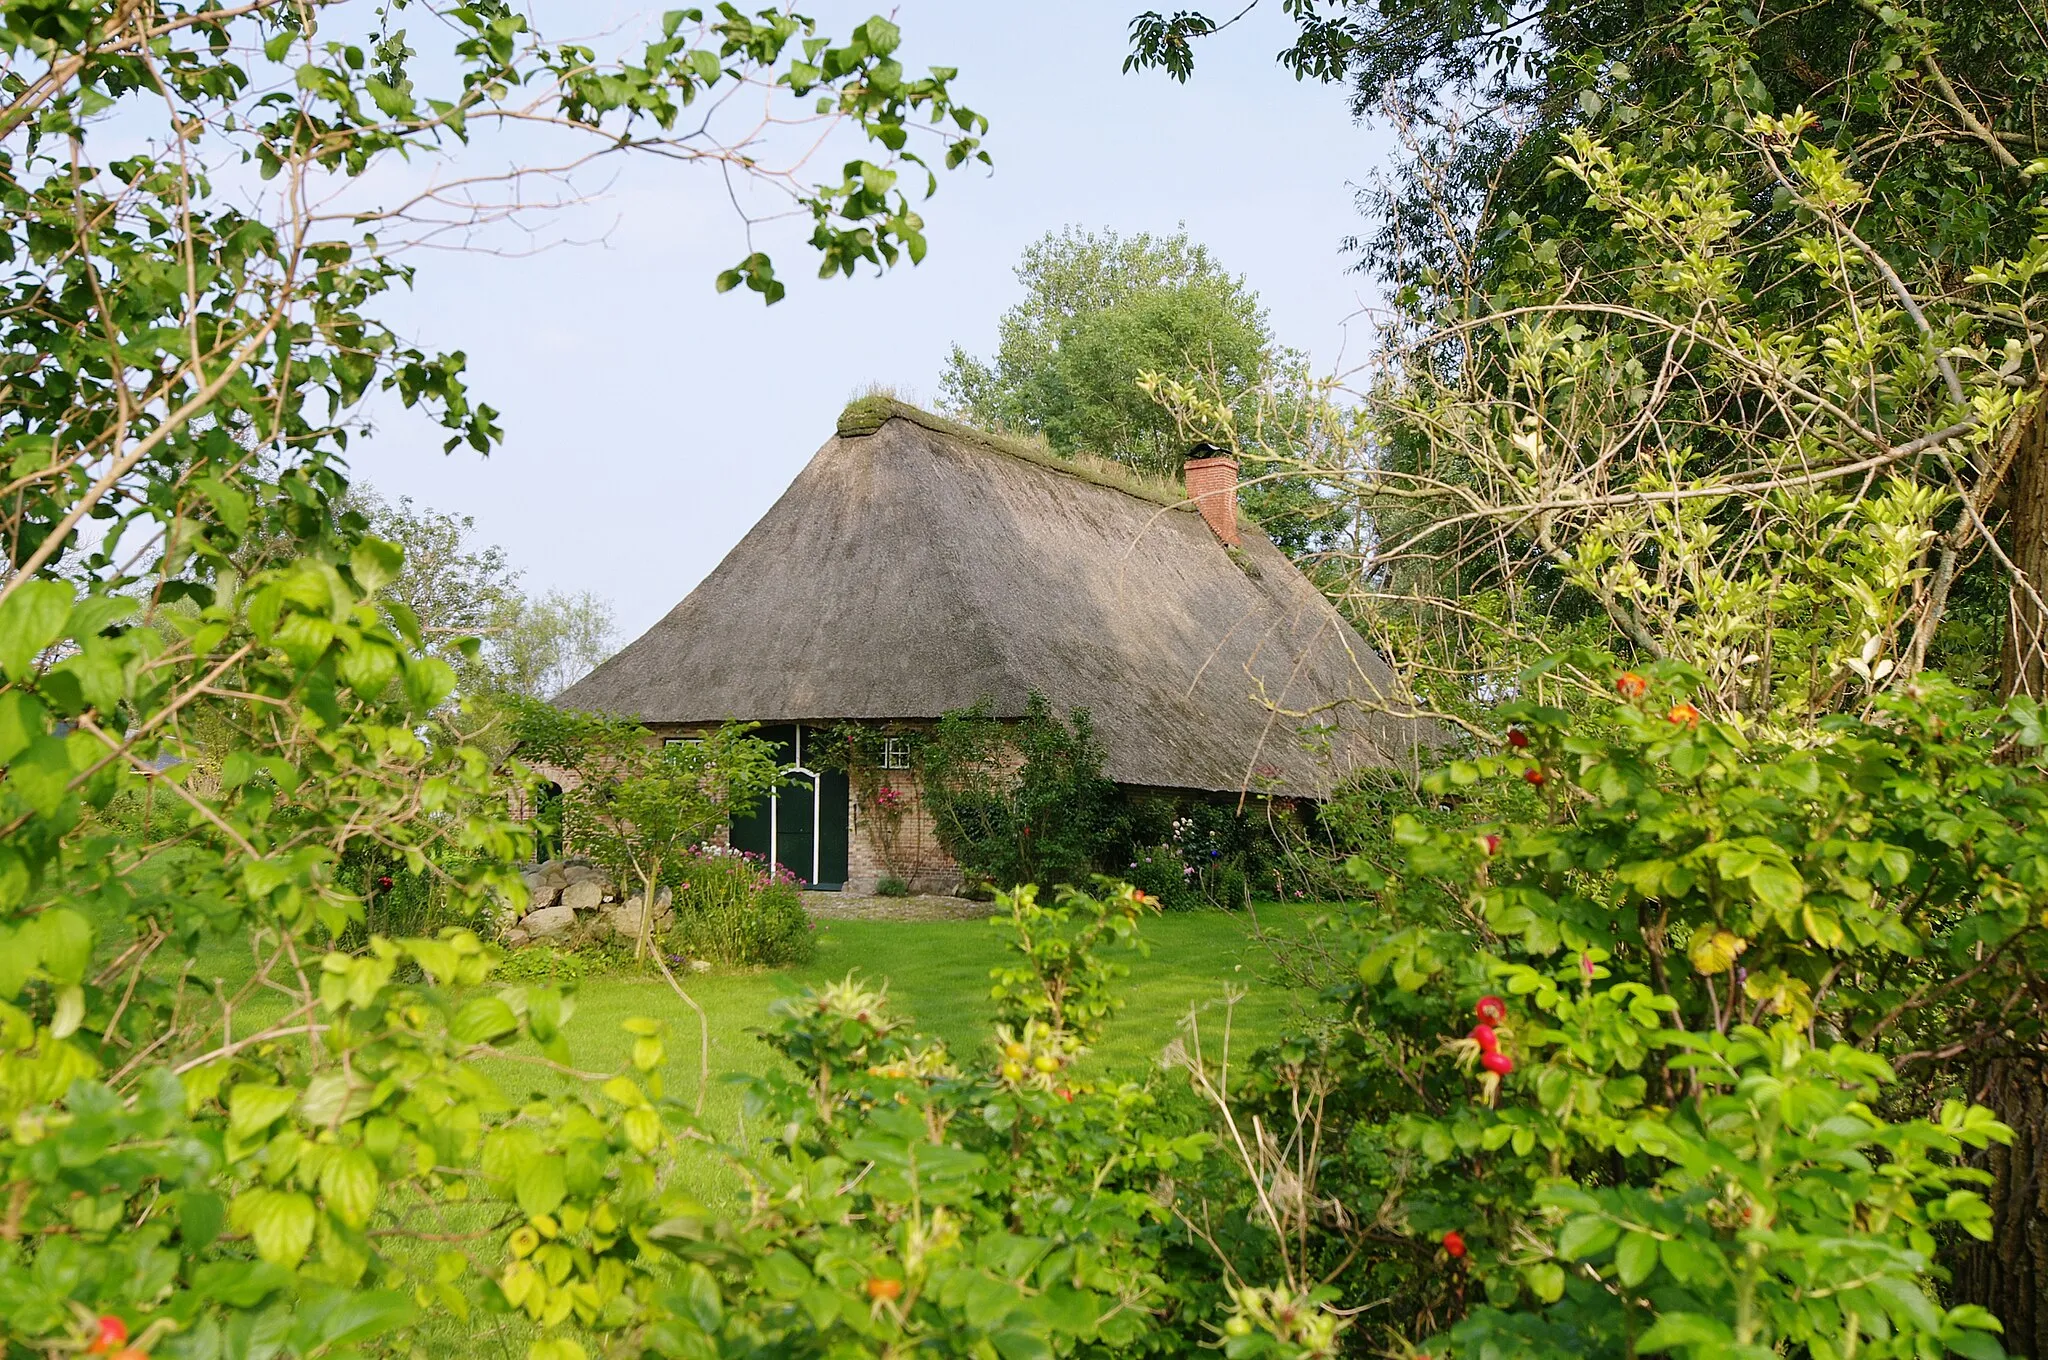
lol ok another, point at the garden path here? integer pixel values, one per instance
(843, 906)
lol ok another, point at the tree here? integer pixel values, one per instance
(633, 803)
(206, 705)
(1104, 316)
(1937, 135)
(469, 604)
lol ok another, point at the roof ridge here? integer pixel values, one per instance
(865, 415)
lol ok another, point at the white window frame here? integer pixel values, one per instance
(682, 741)
(895, 753)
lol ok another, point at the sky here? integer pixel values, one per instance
(650, 421)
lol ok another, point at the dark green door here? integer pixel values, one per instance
(833, 825)
(796, 823)
(804, 825)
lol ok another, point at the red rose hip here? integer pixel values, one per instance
(1534, 774)
(1454, 1243)
(1497, 1062)
(1491, 1009)
(1483, 1035)
(109, 1333)
(1518, 739)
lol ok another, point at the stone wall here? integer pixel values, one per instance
(572, 902)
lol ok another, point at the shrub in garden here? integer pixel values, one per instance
(732, 908)
(891, 886)
(216, 720)
(639, 806)
(1662, 1066)
(912, 1200)
(1162, 873)
(1021, 801)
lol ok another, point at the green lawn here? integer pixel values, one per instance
(937, 973)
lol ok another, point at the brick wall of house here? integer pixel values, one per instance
(902, 843)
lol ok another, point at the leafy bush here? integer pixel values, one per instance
(914, 1201)
(544, 963)
(731, 909)
(1700, 1110)
(1196, 851)
(1021, 801)
(1163, 875)
(891, 886)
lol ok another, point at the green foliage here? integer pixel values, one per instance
(909, 1200)
(1104, 320)
(1196, 851)
(222, 721)
(467, 598)
(1019, 801)
(1730, 964)
(891, 887)
(1060, 979)
(544, 963)
(1100, 311)
(636, 805)
(732, 909)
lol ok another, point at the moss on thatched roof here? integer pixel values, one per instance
(916, 566)
(865, 415)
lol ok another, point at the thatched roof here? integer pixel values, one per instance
(916, 566)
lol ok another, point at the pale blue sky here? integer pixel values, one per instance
(650, 421)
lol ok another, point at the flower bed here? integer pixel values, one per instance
(733, 907)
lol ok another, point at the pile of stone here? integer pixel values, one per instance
(575, 902)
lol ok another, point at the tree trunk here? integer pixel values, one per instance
(2009, 1274)
(646, 919)
(2025, 662)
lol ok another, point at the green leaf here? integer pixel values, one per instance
(1586, 1235)
(200, 1218)
(428, 681)
(64, 945)
(1777, 886)
(1685, 1261)
(22, 720)
(31, 619)
(375, 564)
(252, 1108)
(539, 1185)
(482, 1019)
(700, 1298)
(1635, 1258)
(348, 1182)
(1907, 1303)
(69, 1013)
(1684, 1329)
(280, 1222)
(1545, 1281)
(347, 1318)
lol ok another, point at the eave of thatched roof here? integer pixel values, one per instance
(916, 566)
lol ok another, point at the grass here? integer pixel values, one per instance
(937, 973)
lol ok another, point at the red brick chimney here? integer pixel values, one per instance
(1212, 486)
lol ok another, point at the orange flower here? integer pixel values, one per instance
(1684, 714)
